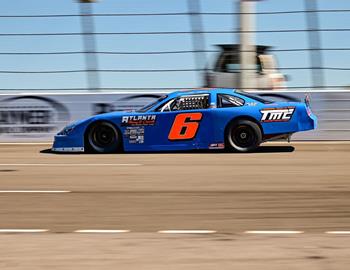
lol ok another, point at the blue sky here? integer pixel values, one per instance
(153, 43)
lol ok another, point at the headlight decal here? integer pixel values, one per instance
(66, 131)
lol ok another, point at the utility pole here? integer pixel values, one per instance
(198, 40)
(91, 60)
(248, 74)
(316, 59)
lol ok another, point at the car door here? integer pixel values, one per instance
(229, 106)
(183, 123)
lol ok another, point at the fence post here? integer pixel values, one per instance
(91, 60)
(247, 45)
(316, 60)
(198, 40)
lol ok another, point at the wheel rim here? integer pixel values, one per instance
(103, 136)
(244, 136)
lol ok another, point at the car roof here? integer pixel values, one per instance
(202, 92)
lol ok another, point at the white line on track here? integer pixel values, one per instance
(187, 231)
(25, 143)
(23, 230)
(273, 232)
(68, 164)
(295, 142)
(4, 231)
(102, 231)
(306, 142)
(338, 232)
(35, 191)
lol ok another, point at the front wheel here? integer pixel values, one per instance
(244, 136)
(103, 137)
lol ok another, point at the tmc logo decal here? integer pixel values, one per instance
(277, 114)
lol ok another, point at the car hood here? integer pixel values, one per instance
(115, 114)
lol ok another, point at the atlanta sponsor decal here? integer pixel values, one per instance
(139, 120)
(277, 114)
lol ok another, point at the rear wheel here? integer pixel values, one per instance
(103, 137)
(244, 136)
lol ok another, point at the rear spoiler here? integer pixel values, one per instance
(307, 100)
(281, 96)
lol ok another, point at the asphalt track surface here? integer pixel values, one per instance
(302, 189)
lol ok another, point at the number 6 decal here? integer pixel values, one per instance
(185, 126)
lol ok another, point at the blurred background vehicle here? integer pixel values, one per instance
(225, 72)
(65, 60)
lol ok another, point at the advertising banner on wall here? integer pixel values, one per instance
(38, 117)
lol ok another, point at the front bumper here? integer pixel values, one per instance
(69, 144)
(68, 149)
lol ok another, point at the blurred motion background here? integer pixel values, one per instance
(64, 60)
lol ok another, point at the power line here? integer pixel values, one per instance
(299, 12)
(100, 70)
(101, 52)
(174, 32)
(150, 70)
(161, 52)
(175, 14)
(309, 49)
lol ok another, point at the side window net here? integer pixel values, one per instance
(192, 103)
(195, 102)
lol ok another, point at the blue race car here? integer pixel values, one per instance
(185, 120)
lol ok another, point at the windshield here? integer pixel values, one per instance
(255, 97)
(150, 105)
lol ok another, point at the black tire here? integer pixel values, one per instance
(103, 137)
(243, 136)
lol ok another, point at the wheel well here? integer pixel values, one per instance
(243, 117)
(88, 127)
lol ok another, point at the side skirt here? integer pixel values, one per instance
(278, 137)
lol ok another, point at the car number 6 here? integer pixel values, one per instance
(185, 126)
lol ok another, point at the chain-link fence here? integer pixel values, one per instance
(168, 50)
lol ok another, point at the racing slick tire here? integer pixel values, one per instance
(103, 137)
(243, 136)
